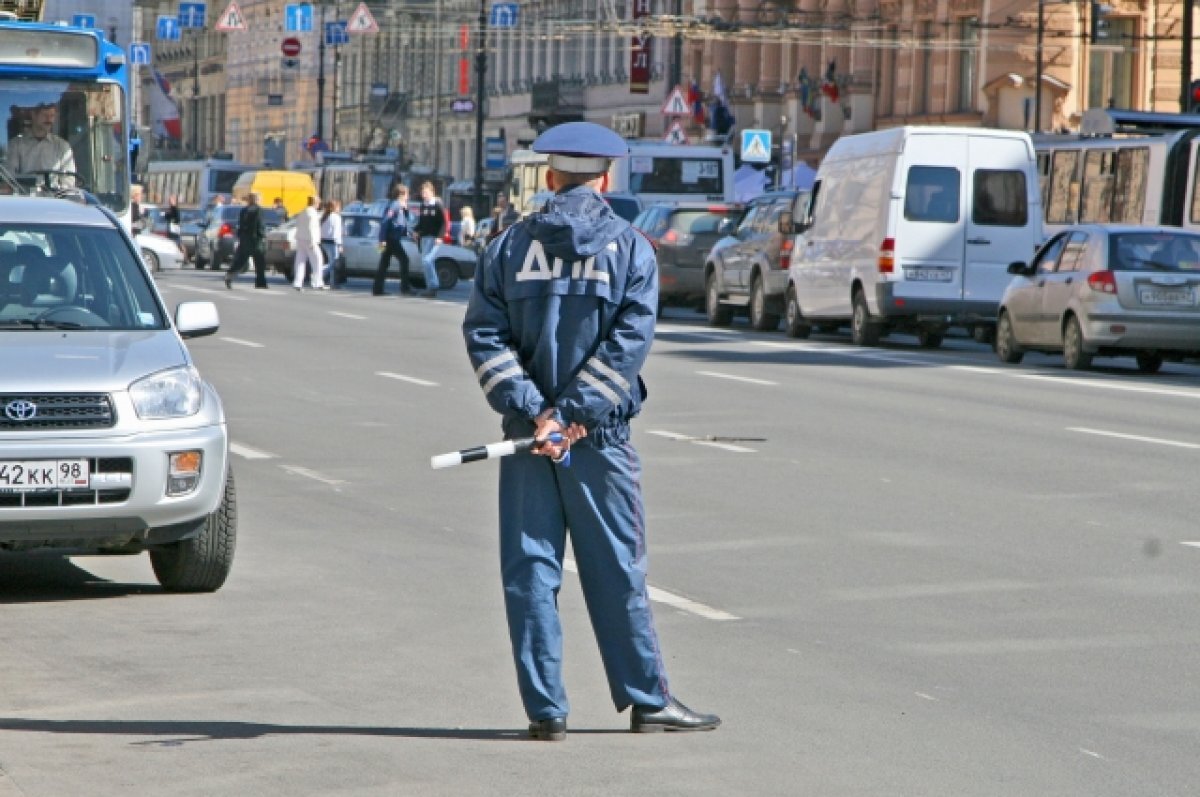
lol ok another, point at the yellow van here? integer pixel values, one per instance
(294, 188)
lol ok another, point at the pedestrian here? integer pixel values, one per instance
(331, 242)
(174, 221)
(395, 229)
(431, 227)
(466, 226)
(251, 243)
(559, 324)
(136, 221)
(281, 208)
(308, 249)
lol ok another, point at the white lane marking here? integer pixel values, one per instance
(715, 333)
(815, 348)
(977, 369)
(248, 452)
(403, 378)
(700, 441)
(348, 315)
(224, 293)
(1105, 385)
(719, 375)
(311, 474)
(924, 696)
(241, 342)
(671, 599)
(1092, 753)
(1191, 544)
(1135, 437)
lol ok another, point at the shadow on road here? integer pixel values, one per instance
(176, 732)
(41, 578)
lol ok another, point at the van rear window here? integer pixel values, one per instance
(932, 194)
(999, 198)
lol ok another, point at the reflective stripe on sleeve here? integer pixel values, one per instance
(604, 389)
(503, 358)
(496, 379)
(603, 370)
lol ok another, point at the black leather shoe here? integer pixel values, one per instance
(550, 730)
(674, 716)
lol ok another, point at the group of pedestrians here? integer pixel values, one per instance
(400, 223)
(318, 246)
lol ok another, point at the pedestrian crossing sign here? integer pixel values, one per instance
(361, 21)
(675, 134)
(756, 146)
(676, 104)
(231, 18)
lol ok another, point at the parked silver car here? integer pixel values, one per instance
(110, 440)
(1105, 290)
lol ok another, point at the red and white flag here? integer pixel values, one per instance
(163, 110)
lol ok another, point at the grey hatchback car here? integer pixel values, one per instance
(1105, 290)
(110, 440)
(683, 235)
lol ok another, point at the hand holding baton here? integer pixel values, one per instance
(496, 450)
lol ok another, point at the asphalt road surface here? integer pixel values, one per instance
(891, 571)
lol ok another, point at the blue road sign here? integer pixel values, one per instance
(756, 146)
(298, 17)
(83, 21)
(335, 34)
(139, 53)
(504, 15)
(191, 15)
(167, 29)
(495, 153)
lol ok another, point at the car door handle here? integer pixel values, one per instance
(978, 241)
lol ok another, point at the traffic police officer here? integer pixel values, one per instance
(560, 321)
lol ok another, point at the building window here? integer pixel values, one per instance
(1110, 72)
(968, 61)
(922, 68)
(886, 80)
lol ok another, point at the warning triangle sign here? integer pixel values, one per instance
(231, 18)
(361, 21)
(675, 134)
(676, 104)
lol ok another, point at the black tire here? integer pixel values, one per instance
(761, 318)
(719, 315)
(929, 338)
(201, 563)
(151, 261)
(794, 324)
(1149, 363)
(447, 274)
(1074, 356)
(1006, 343)
(863, 331)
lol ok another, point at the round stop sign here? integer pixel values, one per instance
(290, 47)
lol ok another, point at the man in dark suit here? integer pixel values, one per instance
(251, 243)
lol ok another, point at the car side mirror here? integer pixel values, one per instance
(785, 223)
(1019, 268)
(725, 227)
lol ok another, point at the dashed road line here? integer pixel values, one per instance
(1191, 544)
(348, 315)
(248, 452)
(700, 441)
(673, 600)
(1134, 437)
(1106, 385)
(735, 378)
(213, 291)
(401, 377)
(311, 474)
(241, 342)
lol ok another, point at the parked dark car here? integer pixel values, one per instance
(217, 239)
(627, 206)
(683, 234)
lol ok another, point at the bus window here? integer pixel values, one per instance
(1194, 211)
(1097, 186)
(1043, 167)
(659, 175)
(1129, 185)
(1064, 188)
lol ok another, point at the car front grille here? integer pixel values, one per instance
(21, 412)
(111, 483)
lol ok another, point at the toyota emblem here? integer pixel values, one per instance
(20, 409)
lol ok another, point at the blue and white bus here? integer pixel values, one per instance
(72, 84)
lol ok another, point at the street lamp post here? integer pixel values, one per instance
(1037, 80)
(480, 93)
(321, 77)
(196, 94)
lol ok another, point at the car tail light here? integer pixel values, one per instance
(226, 231)
(785, 253)
(675, 238)
(1102, 281)
(887, 256)
(447, 238)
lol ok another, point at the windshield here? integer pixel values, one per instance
(61, 277)
(687, 176)
(61, 134)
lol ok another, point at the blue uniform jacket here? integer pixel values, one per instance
(562, 315)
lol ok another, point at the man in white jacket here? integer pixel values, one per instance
(308, 247)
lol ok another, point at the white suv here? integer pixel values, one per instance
(110, 442)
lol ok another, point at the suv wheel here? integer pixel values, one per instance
(863, 331)
(718, 314)
(761, 318)
(1006, 343)
(151, 261)
(794, 322)
(201, 563)
(447, 274)
(929, 338)
(1074, 356)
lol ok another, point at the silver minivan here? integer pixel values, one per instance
(110, 440)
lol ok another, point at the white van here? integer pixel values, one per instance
(912, 229)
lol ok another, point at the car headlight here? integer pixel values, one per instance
(168, 394)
